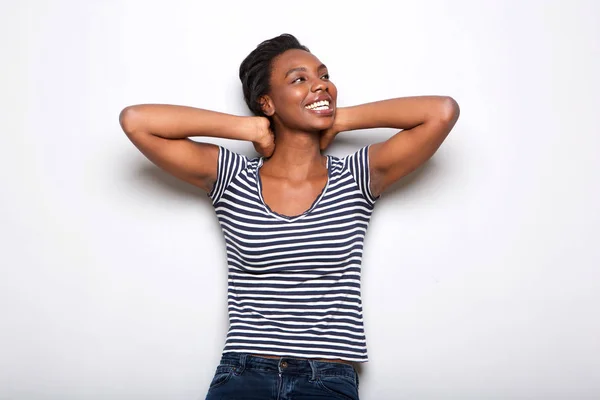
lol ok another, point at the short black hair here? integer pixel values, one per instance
(255, 70)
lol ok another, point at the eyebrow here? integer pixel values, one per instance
(322, 66)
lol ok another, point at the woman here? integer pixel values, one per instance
(294, 220)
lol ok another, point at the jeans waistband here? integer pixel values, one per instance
(288, 365)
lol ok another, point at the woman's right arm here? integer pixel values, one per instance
(161, 133)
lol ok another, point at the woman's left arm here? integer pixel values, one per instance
(425, 122)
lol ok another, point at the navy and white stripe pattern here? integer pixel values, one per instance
(294, 282)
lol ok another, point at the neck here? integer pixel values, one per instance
(297, 155)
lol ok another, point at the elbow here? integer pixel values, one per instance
(127, 119)
(449, 110)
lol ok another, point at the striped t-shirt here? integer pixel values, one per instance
(294, 282)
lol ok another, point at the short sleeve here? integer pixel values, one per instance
(229, 165)
(358, 164)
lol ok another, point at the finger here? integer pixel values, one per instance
(324, 144)
(269, 150)
(325, 141)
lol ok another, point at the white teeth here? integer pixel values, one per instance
(319, 105)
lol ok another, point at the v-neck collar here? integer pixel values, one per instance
(289, 218)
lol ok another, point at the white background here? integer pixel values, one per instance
(481, 269)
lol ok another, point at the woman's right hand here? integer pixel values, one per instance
(264, 142)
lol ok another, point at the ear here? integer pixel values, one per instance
(266, 104)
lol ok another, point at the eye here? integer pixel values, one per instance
(300, 79)
(326, 77)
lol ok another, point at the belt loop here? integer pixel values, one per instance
(243, 357)
(314, 369)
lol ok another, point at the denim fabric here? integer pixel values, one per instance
(241, 376)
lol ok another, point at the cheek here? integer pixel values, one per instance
(333, 91)
(296, 95)
(287, 103)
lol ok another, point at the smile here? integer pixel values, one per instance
(318, 106)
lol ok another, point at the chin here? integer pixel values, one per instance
(323, 126)
(322, 123)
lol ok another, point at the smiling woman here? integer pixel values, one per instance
(294, 219)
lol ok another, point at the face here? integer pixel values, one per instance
(302, 97)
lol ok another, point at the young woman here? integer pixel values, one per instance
(294, 219)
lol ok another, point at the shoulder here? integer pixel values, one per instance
(357, 157)
(228, 156)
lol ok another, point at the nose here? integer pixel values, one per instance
(319, 84)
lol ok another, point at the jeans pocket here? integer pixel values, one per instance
(222, 375)
(342, 387)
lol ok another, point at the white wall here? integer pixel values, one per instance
(481, 271)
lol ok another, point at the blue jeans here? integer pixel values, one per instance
(241, 376)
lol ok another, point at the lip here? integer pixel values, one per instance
(327, 112)
(321, 97)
